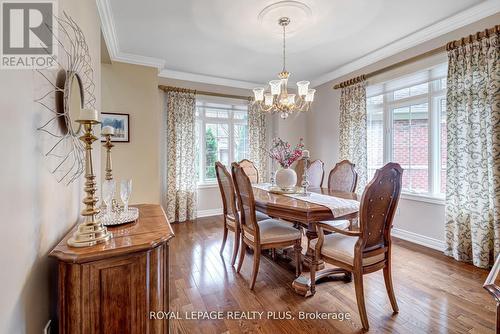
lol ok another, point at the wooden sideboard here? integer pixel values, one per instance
(112, 287)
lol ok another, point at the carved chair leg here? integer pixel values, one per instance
(224, 237)
(242, 255)
(298, 258)
(256, 262)
(360, 297)
(390, 288)
(236, 245)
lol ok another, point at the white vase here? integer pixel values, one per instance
(286, 178)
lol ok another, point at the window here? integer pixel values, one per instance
(406, 121)
(222, 135)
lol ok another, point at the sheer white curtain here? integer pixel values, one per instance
(352, 141)
(179, 193)
(473, 164)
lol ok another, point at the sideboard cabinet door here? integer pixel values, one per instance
(115, 295)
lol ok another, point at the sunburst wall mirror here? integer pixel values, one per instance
(66, 90)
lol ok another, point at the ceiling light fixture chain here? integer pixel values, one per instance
(279, 100)
(284, 24)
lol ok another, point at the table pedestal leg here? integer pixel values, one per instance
(302, 284)
(311, 234)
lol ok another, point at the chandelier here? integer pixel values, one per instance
(278, 100)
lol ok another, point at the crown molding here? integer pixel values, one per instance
(130, 58)
(166, 73)
(108, 27)
(453, 22)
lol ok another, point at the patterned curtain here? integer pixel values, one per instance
(353, 130)
(179, 200)
(257, 151)
(473, 162)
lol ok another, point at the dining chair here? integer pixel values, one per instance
(342, 178)
(230, 213)
(265, 234)
(315, 173)
(250, 169)
(230, 209)
(369, 249)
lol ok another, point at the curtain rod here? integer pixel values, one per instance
(200, 92)
(449, 46)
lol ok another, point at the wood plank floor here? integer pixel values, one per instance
(435, 293)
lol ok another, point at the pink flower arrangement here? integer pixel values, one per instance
(282, 152)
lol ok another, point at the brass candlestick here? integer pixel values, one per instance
(108, 145)
(91, 231)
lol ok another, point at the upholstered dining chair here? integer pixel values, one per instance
(343, 178)
(230, 209)
(315, 173)
(369, 249)
(250, 170)
(265, 234)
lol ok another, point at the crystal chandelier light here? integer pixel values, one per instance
(278, 100)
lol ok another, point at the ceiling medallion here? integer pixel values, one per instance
(278, 100)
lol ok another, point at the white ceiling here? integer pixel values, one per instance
(224, 41)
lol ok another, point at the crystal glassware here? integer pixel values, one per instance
(125, 190)
(108, 192)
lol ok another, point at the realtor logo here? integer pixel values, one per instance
(28, 41)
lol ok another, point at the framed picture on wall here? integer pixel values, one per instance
(120, 122)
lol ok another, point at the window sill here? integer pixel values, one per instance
(423, 198)
(207, 185)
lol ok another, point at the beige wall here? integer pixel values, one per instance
(36, 210)
(424, 219)
(133, 89)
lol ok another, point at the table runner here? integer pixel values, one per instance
(339, 206)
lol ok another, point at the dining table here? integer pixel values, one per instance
(303, 211)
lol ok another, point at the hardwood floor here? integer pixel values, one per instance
(435, 293)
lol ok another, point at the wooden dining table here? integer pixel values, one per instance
(306, 214)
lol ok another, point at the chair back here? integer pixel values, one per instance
(343, 177)
(315, 173)
(246, 200)
(378, 206)
(250, 170)
(227, 190)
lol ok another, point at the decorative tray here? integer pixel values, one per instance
(278, 190)
(120, 217)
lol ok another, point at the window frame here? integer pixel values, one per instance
(435, 93)
(202, 120)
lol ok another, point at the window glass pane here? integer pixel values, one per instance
(221, 135)
(411, 91)
(375, 140)
(216, 147)
(410, 145)
(419, 89)
(240, 115)
(216, 113)
(375, 100)
(240, 141)
(443, 143)
(443, 83)
(197, 157)
(401, 93)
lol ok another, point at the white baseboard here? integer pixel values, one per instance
(419, 239)
(209, 212)
(395, 232)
